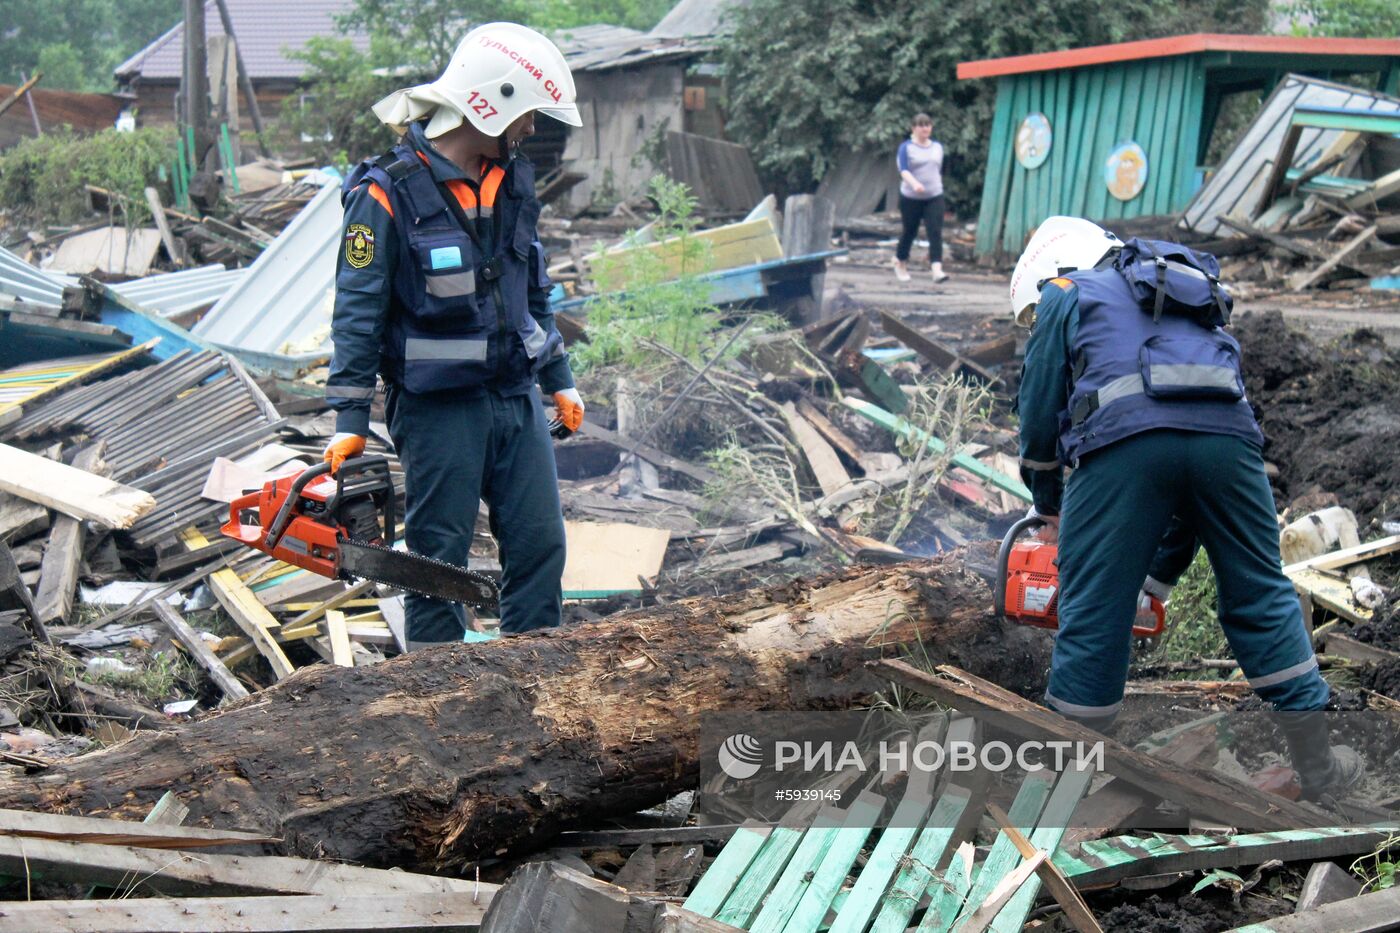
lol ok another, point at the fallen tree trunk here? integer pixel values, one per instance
(445, 756)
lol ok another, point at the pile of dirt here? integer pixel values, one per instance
(1328, 412)
(1186, 914)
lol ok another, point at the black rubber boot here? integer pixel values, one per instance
(1324, 770)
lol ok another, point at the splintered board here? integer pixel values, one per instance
(76, 493)
(608, 557)
(727, 247)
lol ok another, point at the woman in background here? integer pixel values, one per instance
(920, 161)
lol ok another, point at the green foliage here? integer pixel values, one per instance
(78, 43)
(425, 32)
(44, 178)
(1377, 868)
(1193, 630)
(333, 121)
(811, 80)
(1378, 19)
(641, 300)
(157, 678)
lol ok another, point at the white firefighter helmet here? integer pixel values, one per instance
(1060, 244)
(499, 71)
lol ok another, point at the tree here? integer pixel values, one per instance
(78, 43)
(811, 80)
(1363, 18)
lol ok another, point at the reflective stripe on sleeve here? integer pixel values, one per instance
(1040, 464)
(349, 391)
(422, 348)
(535, 339)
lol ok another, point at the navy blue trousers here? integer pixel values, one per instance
(457, 452)
(1117, 506)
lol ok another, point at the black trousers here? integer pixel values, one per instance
(929, 211)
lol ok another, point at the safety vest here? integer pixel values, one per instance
(1130, 373)
(455, 310)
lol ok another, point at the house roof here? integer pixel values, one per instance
(601, 47)
(695, 18)
(267, 30)
(1177, 45)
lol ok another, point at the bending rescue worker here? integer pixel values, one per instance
(441, 289)
(1131, 380)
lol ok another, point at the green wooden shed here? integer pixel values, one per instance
(1115, 131)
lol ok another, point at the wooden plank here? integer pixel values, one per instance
(168, 811)
(63, 554)
(1308, 279)
(146, 835)
(72, 491)
(1006, 887)
(649, 454)
(821, 456)
(1002, 859)
(240, 603)
(1335, 560)
(748, 893)
(969, 463)
(339, 639)
(174, 873)
(948, 893)
(199, 649)
(177, 255)
(770, 913)
(1109, 861)
(1330, 593)
(800, 900)
(848, 450)
(1364, 914)
(1050, 829)
(1206, 793)
(1344, 646)
(729, 247)
(724, 872)
(940, 355)
(348, 597)
(612, 555)
(864, 897)
(913, 879)
(313, 914)
(19, 519)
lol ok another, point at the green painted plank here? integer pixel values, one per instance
(1015, 230)
(1034, 177)
(727, 868)
(864, 897)
(821, 885)
(1340, 118)
(879, 383)
(1000, 154)
(949, 893)
(792, 883)
(1103, 136)
(743, 902)
(1105, 861)
(1190, 135)
(1134, 99)
(1160, 74)
(905, 429)
(1069, 789)
(913, 879)
(1086, 122)
(1059, 145)
(1003, 857)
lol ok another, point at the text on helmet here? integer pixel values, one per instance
(524, 63)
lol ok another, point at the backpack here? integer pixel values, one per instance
(1168, 278)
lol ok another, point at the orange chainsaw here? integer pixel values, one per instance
(1027, 589)
(340, 527)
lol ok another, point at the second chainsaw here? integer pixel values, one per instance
(342, 527)
(1027, 587)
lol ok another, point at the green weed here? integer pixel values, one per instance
(1193, 630)
(43, 179)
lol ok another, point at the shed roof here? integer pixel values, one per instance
(267, 30)
(1177, 45)
(694, 18)
(601, 47)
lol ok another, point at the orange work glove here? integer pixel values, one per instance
(341, 448)
(568, 408)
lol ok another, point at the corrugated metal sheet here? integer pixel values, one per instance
(692, 18)
(171, 294)
(600, 48)
(282, 306)
(1235, 187)
(18, 279)
(1155, 102)
(268, 30)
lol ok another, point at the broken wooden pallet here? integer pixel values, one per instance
(786, 879)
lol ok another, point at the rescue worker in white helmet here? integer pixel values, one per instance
(1131, 379)
(441, 289)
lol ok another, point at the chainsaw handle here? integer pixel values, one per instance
(284, 514)
(1004, 555)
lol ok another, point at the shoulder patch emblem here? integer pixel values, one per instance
(1062, 282)
(359, 245)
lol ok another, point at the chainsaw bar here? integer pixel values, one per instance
(425, 576)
